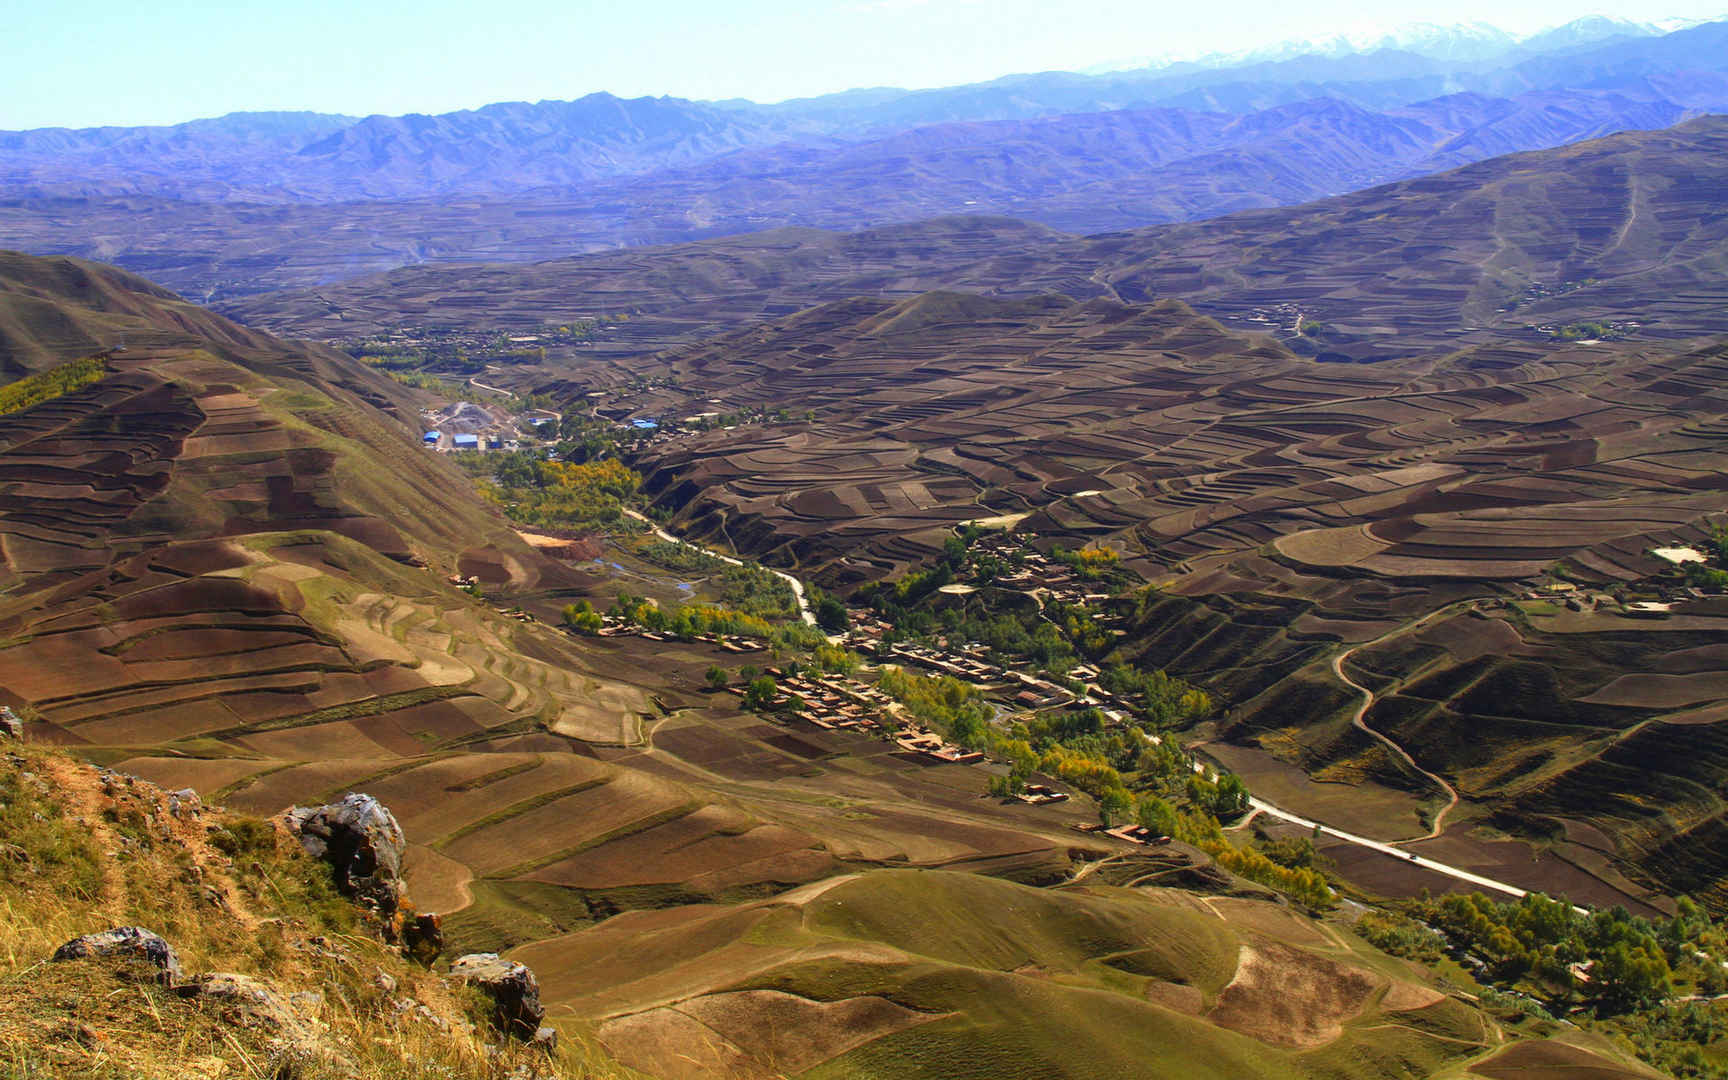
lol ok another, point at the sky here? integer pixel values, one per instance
(124, 62)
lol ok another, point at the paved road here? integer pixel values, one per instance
(797, 586)
(1387, 849)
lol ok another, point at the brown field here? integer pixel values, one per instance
(1554, 1061)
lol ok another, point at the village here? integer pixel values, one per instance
(1685, 579)
(789, 693)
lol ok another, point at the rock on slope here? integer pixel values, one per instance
(291, 980)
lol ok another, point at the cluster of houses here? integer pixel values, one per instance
(928, 744)
(1019, 689)
(1040, 794)
(834, 702)
(1038, 572)
(841, 703)
(613, 626)
(1670, 590)
(967, 662)
(1137, 834)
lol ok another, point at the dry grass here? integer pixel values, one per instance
(230, 893)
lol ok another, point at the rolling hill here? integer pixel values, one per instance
(1287, 511)
(1624, 229)
(213, 579)
(1151, 391)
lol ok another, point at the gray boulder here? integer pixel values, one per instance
(11, 724)
(515, 992)
(363, 844)
(125, 943)
(241, 999)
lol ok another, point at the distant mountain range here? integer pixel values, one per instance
(516, 147)
(1627, 229)
(256, 201)
(1471, 42)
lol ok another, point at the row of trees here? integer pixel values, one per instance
(50, 384)
(689, 621)
(1549, 941)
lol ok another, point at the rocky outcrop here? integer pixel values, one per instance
(242, 999)
(515, 993)
(423, 937)
(11, 724)
(125, 943)
(363, 844)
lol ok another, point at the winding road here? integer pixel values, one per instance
(1359, 720)
(797, 586)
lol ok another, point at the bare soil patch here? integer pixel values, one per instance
(436, 882)
(1287, 997)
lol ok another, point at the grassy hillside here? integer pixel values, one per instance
(85, 851)
(894, 974)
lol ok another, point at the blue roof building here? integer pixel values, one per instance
(431, 437)
(467, 442)
(644, 425)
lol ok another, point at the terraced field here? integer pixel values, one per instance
(224, 566)
(1282, 506)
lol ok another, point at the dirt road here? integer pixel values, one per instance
(1360, 720)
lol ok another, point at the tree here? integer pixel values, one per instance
(760, 693)
(1291, 852)
(1630, 976)
(831, 614)
(717, 677)
(1231, 797)
(954, 552)
(582, 618)
(1155, 814)
(1113, 803)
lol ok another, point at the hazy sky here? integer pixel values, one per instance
(127, 62)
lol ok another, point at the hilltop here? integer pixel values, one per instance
(265, 968)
